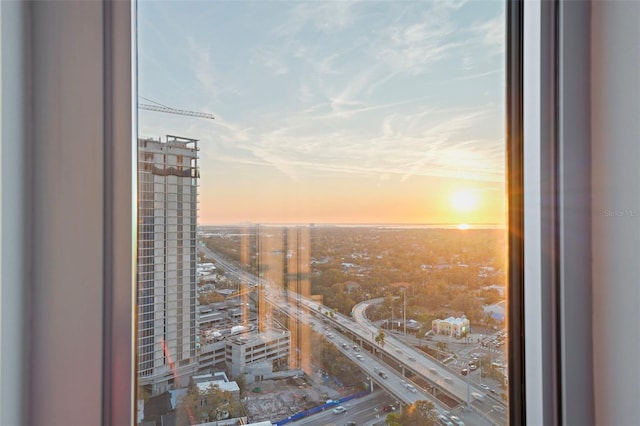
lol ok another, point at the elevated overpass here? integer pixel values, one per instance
(393, 353)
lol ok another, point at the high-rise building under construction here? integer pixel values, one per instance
(166, 276)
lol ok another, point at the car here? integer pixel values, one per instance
(339, 410)
(411, 388)
(483, 386)
(383, 374)
(477, 396)
(388, 408)
(411, 358)
(473, 367)
(444, 421)
(493, 391)
(464, 372)
(457, 421)
(499, 408)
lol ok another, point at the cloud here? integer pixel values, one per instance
(211, 81)
(325, 16)
(412, 44)
(492, 34)
(271, 58)
(424, 143)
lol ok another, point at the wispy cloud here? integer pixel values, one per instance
(211, 81)
(413, 44)
(383, 90)
(271, 58)
(326, 16)
(492, 34)
(404, 146)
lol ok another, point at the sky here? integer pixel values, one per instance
(333, 111)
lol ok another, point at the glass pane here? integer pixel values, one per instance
(321, 205)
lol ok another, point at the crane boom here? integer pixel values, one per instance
(175, 111)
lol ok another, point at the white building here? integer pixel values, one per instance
(167, 220)
(457, 327)
(219, 380)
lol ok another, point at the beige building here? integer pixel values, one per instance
(457, 327)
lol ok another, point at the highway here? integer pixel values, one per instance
(410, 358)
(361, 411)
(403, 389)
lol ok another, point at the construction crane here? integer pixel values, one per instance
(169, 110)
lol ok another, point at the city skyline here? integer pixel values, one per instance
(333, 112)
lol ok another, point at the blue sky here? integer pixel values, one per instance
(326, 110)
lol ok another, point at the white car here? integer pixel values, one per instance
(477, 396)
(444, 421)
(457, 421)
(339, 410)
(483, 386)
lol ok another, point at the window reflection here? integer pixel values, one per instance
(310, 284)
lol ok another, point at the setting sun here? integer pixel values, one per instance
(464, 200)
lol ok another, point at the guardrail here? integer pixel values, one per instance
(320, 408)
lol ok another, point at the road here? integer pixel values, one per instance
(403, 389)
(407, 356)
(361, 411)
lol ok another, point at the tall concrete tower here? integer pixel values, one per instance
(167, 254)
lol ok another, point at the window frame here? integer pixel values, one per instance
(31, 370)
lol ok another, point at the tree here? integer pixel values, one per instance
(380, 338)
(241, 381)
(393, 420)
(420, 413)
(205, 406)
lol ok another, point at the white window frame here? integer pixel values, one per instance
(67, 199)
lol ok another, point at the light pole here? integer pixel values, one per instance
(468, 387)
(404, 311)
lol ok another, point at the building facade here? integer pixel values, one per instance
(268, 348)
(167, 219)
(457, 327)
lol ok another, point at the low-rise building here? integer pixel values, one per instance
(256, 354)
(457, 327)
(218, 380)
(257, 347)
